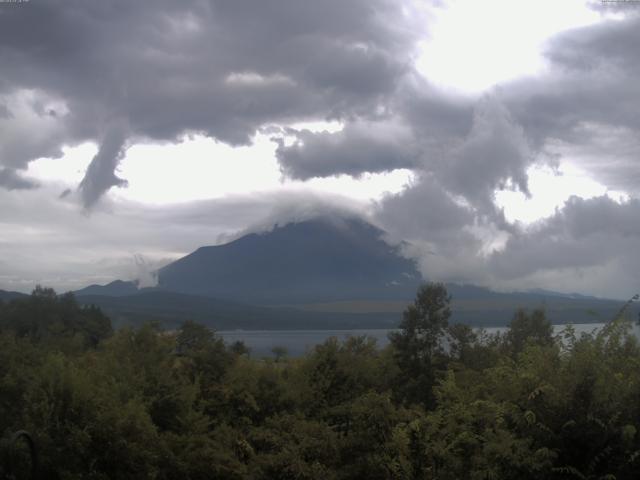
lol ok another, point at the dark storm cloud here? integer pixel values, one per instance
(584, 233)
(10, 180)
(586, 108)
(457, 174)
(474, 151)
(227, 69)
(358, 148)
(414, 128)
(425, 211)
(5, 113)
(216, 67)
(494, 155)
(118, 72)
(100, 175)
(434, 114)
(29, 128)
(607, 44)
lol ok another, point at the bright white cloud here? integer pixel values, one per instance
(68, 170)
(475, 45)
(200, 168)
(550, 189)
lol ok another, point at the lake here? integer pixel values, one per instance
(298, 342)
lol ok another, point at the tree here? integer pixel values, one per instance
(461, 340)
(193, 337)
(207, 354)
(55, 320)
(418, 346)
(528, 328)
(280, 353)
(239, 348)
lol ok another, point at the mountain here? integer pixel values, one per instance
(321, 273)
(325, 259)
(171, 309)
(6, 296)
(117, 288)
(481, 307)
(543, 291)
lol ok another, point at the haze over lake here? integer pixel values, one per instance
(298, 342)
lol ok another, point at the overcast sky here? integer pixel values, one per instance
(499, 137)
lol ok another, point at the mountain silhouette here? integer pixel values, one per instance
(7, 296)
(328, 271)
(117, 288)
(319, 260)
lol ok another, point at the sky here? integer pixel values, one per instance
(498, 139)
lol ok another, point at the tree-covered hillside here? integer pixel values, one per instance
(146, 403)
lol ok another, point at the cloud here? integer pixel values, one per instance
(583, 236)
(477, 151)
(32, 125)
(146, 272)
(224, 69)
(11, 180)
(444, 234)
(118, 73)
(424, 211)
(434, 113)
(5, 113)
(585, 108)
(44, 239)
(358, 148)
(100, 175)
(609, 153)
(494, 155)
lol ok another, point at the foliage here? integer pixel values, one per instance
(440, 402)
(46, 317)
(418, 346)
(529, 329)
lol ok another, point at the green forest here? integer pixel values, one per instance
(442, 401)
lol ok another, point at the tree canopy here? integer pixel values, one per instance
(148, 403)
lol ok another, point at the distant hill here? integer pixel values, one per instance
(482, 307)
(171, 309)
(326, 259)
(117, 288)
(6, 296)
(542, 291)
(493, 309)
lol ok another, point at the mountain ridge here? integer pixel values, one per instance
(314, 260)
(6, 295)
(313, 268)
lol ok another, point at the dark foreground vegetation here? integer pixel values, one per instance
(145, 403)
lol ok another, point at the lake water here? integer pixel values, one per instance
(298, 342)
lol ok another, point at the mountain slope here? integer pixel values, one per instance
(6, 296)
(171, 309)
(325, 259)
(117, 288)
